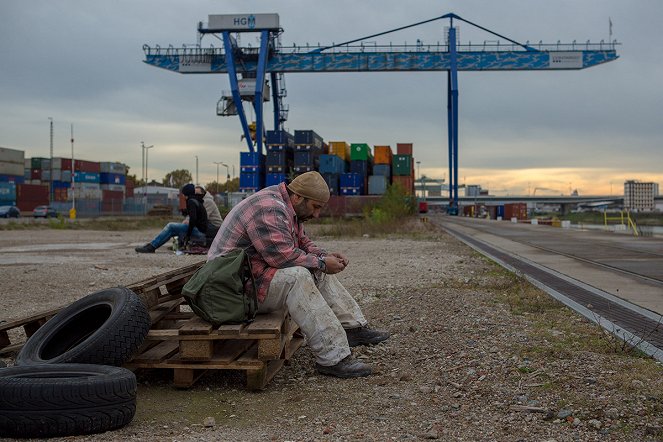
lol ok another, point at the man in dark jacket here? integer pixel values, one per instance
(194, 229)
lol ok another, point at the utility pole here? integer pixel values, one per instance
(197, 183)
(145, 149)
(218, 163)
(419, 172)
(50, 191)
(72, 212)
(227, 172)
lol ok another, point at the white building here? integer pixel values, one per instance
(639, 196)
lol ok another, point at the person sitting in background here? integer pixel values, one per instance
(194, 229)
(291, 272)
(214, 218)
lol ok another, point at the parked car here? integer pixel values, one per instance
(9, 212)
(44, 212)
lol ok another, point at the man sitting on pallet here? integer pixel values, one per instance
(291, 271)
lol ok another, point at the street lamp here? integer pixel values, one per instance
(197, 183)
(227, 172)
(50, 191)
(145, 149)
(218, 163)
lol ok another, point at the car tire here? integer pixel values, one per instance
(65, 399)
(106, 327)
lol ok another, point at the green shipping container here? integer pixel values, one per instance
(360, 151)
(402, 165)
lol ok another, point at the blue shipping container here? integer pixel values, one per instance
(331, 164)
(112, 178)
(16, 179)
(308, 138)
(382, 169)
(332, 180)
(306, 159)
(272, 179)
(251, 162)
(250, 180)
(279, 137)
(361, 167)
(352, 180)
(61, 184)
(86, 177)
(7, 192)
(377, 184)
(278, 161)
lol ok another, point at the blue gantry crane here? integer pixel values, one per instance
(247, 67)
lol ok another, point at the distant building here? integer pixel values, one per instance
(639, 196)
(472, 190)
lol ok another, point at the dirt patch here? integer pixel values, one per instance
(466, 361)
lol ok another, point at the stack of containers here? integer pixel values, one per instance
(29, 196)
(112, 179)
(381, 178)
(251, 171)
(87, 184)
(361, 165)
(40, 170)
(279, 159)
(61, 179)
(308, 148)
(403, 167)
(7, 193)
(331, 168)
(12, 166)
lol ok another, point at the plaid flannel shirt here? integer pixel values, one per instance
(266, 226)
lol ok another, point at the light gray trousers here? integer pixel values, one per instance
(320, 305)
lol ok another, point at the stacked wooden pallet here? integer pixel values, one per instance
(184, 343)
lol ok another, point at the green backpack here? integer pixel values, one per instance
(216, 291)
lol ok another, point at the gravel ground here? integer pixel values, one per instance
(466, 361)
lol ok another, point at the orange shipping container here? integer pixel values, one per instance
(382, 155)
(341, 149)
(404, 148)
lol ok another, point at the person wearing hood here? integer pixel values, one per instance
(195, 228)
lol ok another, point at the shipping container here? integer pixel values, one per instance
(113, 187)
(107, 195)
(404, 149)
(403, 165)
(61, 175)
(279, 138)
(272, 179)
(253, 181)
(500, 211)
(306, 160)
(279, 161)
(251, 162)
(382, 169)
(86, 177)
(341, 149)
(61, 184)
(112, 178)
(7, 193)
(87, 191)
(15, 156)
(332, 180)
(382, 155)
(377, 184)
(361, 167)
(405, 182)
(62, 163)
(113, 167)
(16, 179)
(29, 196)
(61, 195)
(11, 168)
(332, 164)
(86, 166)
(40, 163)
(515, 210)
(308, 138)
(360, 151)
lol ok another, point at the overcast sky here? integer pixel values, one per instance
(81, 62)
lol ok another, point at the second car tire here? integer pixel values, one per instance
(65, 399)
(106, 327)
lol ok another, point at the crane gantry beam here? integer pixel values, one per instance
(451, 57)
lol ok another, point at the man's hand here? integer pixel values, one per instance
(341, 258)
(333, 264)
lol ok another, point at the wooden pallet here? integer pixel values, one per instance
(180, 341)
(189, 346)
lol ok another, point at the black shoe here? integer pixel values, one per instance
(365, 336)
(347, 368)
(147, 248)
